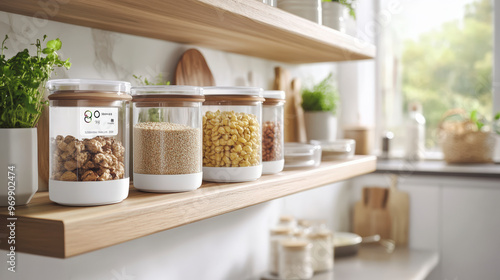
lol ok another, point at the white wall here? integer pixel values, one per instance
(231, 246)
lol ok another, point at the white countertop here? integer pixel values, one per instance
(373, 263)
(438, 167)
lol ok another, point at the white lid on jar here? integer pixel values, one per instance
(275, 94)
(167, 90)
(120, 87)
(249, 91)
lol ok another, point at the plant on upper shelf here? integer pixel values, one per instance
(348, 3)
(321, 97)
(22, 83)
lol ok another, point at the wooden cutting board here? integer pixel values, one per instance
(42, 133)
(282, 82)
(300, 132)
(399, 210)
(192, 69)
(371, 215)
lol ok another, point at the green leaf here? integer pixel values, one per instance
(54, 44)
(497, 116)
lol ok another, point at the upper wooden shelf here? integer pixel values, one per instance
(45, 228)
(240, 26)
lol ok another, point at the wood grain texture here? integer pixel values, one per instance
(192, 70)
(399, 210)
(371, 214)
(242, 26)
(282, 82)
(42, 134)
(77, 230)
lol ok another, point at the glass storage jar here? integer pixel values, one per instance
(277, 235)
(167, 146)
(295, 259)
(232, 138)
(272, 132)
(89, 141)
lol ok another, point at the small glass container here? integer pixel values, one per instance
(232, 141)
(272, 132)
(88, 141)
(336, 149)
(278, 234)
(167, 144)
(299, 155)
(295, 259)
(321, 239)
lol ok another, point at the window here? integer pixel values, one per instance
(438, 53)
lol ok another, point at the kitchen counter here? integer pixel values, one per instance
(372, 262)
(437, 167)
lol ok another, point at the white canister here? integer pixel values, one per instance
(278, 234)
(322, 250)
(295, 259)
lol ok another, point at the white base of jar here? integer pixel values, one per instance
(167, 183)
(272, 167)
(232, 174)
(88, 193)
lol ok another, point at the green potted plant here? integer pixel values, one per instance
(320, 104)
(22, 83)
(335, 13)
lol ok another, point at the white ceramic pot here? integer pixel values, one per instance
(320, 126)
(18, 164)
(308, 9)
(334, 15)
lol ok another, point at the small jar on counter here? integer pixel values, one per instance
(295, 259)
(167, 144)
(287, 221)
(232, 141)
(88, 141)
(322, 249)
(272, 132)
(278, 234)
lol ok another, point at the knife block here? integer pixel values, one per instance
(371, 215)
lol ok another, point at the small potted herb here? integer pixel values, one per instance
(335, 13)
(468, 137)
(22, 83)
(320, 104)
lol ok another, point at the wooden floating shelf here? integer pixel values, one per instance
(239, 26)
(45, 228)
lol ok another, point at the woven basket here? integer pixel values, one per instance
(461, 142)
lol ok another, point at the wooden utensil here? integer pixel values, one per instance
(192, 69)
(42, 133)
(399, 210)
(299, 112)
(371, 215)
(282, 82)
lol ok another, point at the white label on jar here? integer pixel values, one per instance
(98, 121)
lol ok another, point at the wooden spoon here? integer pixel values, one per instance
(192, 69)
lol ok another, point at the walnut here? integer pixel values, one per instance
(82, 158)
(89, 175)
(68, 176)
(57, 163)
(93, 145)
(88, 165)
(62, 146)
(118, 150)
(105, 174)
(70, 165)
(118, 171)
(66, 156)
(107, 144)
(104, 160)
(69, 139)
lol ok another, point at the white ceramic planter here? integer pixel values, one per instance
(334, 15)
(18, 155)
(320, 126)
